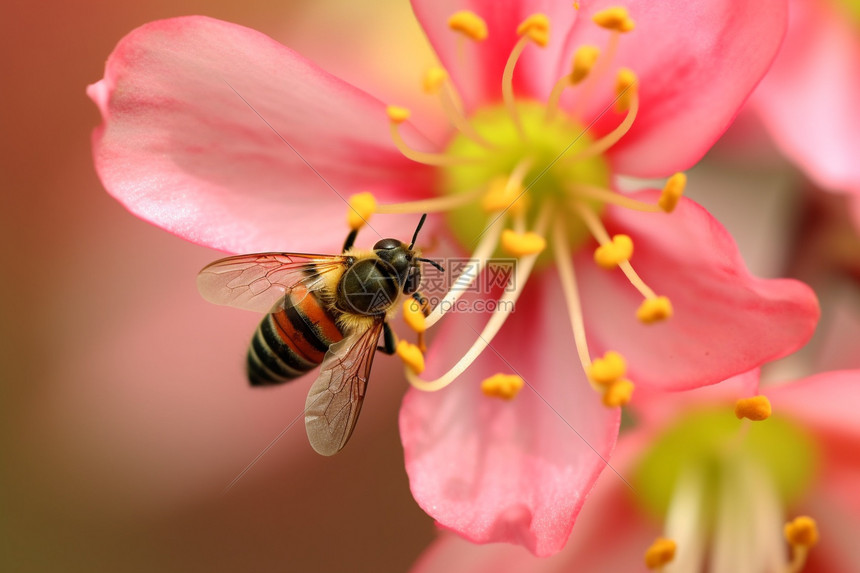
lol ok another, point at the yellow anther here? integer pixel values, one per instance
(469, 24)
(616, 19)
(756, 408)
(801, 532)
(576, 5)
(661, 553)
(654, 310)
(536, 27)
(626, 88)
(398, 114)
(411, 356)
(608, 369)
(433, 79)
(504, 386)
(583, 61)
(362, 206)
(501, 195)
(610, 255)
(618, 393)
(534, 22)
(672, 192)
(521, 244)
(414, 315)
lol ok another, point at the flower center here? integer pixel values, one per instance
(549, 177)
(722, 490)
(522, 175)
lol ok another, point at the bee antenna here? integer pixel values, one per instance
(420, 224)
(434, 263)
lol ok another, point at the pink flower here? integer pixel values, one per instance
(808, 100)
(230, 140)
(720, 489)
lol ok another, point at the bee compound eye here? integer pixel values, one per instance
(387, 244)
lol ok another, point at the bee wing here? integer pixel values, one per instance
(256, 282)
(334, 401)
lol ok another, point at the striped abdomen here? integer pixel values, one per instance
(292, 339)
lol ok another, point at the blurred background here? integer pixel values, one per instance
(125, 411)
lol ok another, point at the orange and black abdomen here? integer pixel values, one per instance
(292, 339)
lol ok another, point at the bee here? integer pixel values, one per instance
(324, 310)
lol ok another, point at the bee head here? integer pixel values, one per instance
(402, 259)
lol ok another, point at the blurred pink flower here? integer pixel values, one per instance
(743, 530)
(197, 114)
(808, 100)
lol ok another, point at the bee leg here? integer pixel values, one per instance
(425, 310)
(390, 340)
(350, 240)
(422, 300)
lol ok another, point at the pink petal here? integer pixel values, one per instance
(725, 320)
(838, 525)
(826, 404)
(697, 62)
(477, 67)
(610, 535)
(181, 149)
(513, 471)
(808, 100)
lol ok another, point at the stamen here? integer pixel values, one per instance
(432, 205)
(801, 533)
(672, 192)
(535, 28)
(494, 324)
(654, 308)
(563, 261)
(756, 408)
(522, 244)
(583, 61)
(618, 394)
(502, 386)
(362, 206)
(618, 250)
(508, 85)
(600, 69)
(506, 193)
(607, 141)
(434, 79)
(625, 89)
(616, 19)
(398, 115)
(414, 317)
(660, 553)
(608, 369)
(612, 197)
(485, 248)
(436, 82)
(411, 356)
(469, 24)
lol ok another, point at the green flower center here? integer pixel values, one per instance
(711, 442)
(549, 149)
